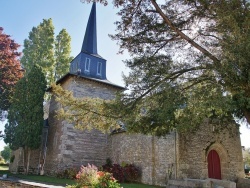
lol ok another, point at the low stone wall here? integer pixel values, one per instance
(243, 183)
(197, 183)
(154, 156)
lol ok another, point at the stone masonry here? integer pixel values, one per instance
(175, 156)
(68, 147)
(193, 149)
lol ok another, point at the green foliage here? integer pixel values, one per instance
(25, 117)
(50, 53)
(85, 113)
(39, 49)
(12, 158)
(189, 62)
(62, 54)
(122, 173)
(5, 153)
(67, 173)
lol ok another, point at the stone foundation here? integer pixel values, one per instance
(196, 183)
(243, 183)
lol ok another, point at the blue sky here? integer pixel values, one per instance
(17, 17)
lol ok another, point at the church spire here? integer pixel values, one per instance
(90, 40)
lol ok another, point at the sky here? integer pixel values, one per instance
(17, 17)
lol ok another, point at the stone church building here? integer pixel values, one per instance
(201, 155)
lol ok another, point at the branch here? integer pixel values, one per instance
(183, 36)
(172, 76)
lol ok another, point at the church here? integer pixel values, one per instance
(201, 155)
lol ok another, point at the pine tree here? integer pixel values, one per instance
(196, 50)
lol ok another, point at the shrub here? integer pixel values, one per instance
(131, 173)
(116, 170)
(90, 177)
(107, 180)
(124, 172)
(67, 173)
(87, 175)
(12, 158)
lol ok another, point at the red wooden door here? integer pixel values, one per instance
(214, 169)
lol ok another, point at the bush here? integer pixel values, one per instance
(87, 175)
(124, 173)
(67, 173)
(107, 180)
(90, 177)
(12, 158)
(131, 173)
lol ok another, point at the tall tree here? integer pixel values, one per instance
(43, 49)
(25, 118)
(5, 153)
(10, 69)
(62, 53)
(190, 61)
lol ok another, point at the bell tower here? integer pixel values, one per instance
(88, 63)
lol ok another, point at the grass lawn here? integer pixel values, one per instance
(4, 168)
(58, 181)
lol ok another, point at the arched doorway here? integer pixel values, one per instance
(214, 168)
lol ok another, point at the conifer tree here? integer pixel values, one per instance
(25, 117)
(197, 50)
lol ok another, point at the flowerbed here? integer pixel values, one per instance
(91, 177)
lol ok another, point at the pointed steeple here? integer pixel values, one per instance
(88, 63)
(90, 40)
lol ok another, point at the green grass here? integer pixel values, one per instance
(47, 179)
(4, 168)
(58, 181)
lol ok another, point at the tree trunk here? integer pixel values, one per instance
(26, 159)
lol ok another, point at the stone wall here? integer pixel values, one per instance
(68, 147)
(243, 183)
(154, 156)
(17, 165)
(175, 156)
(193, 149)
(13, 167)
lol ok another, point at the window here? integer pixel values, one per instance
(99, 68)
(87, 64)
